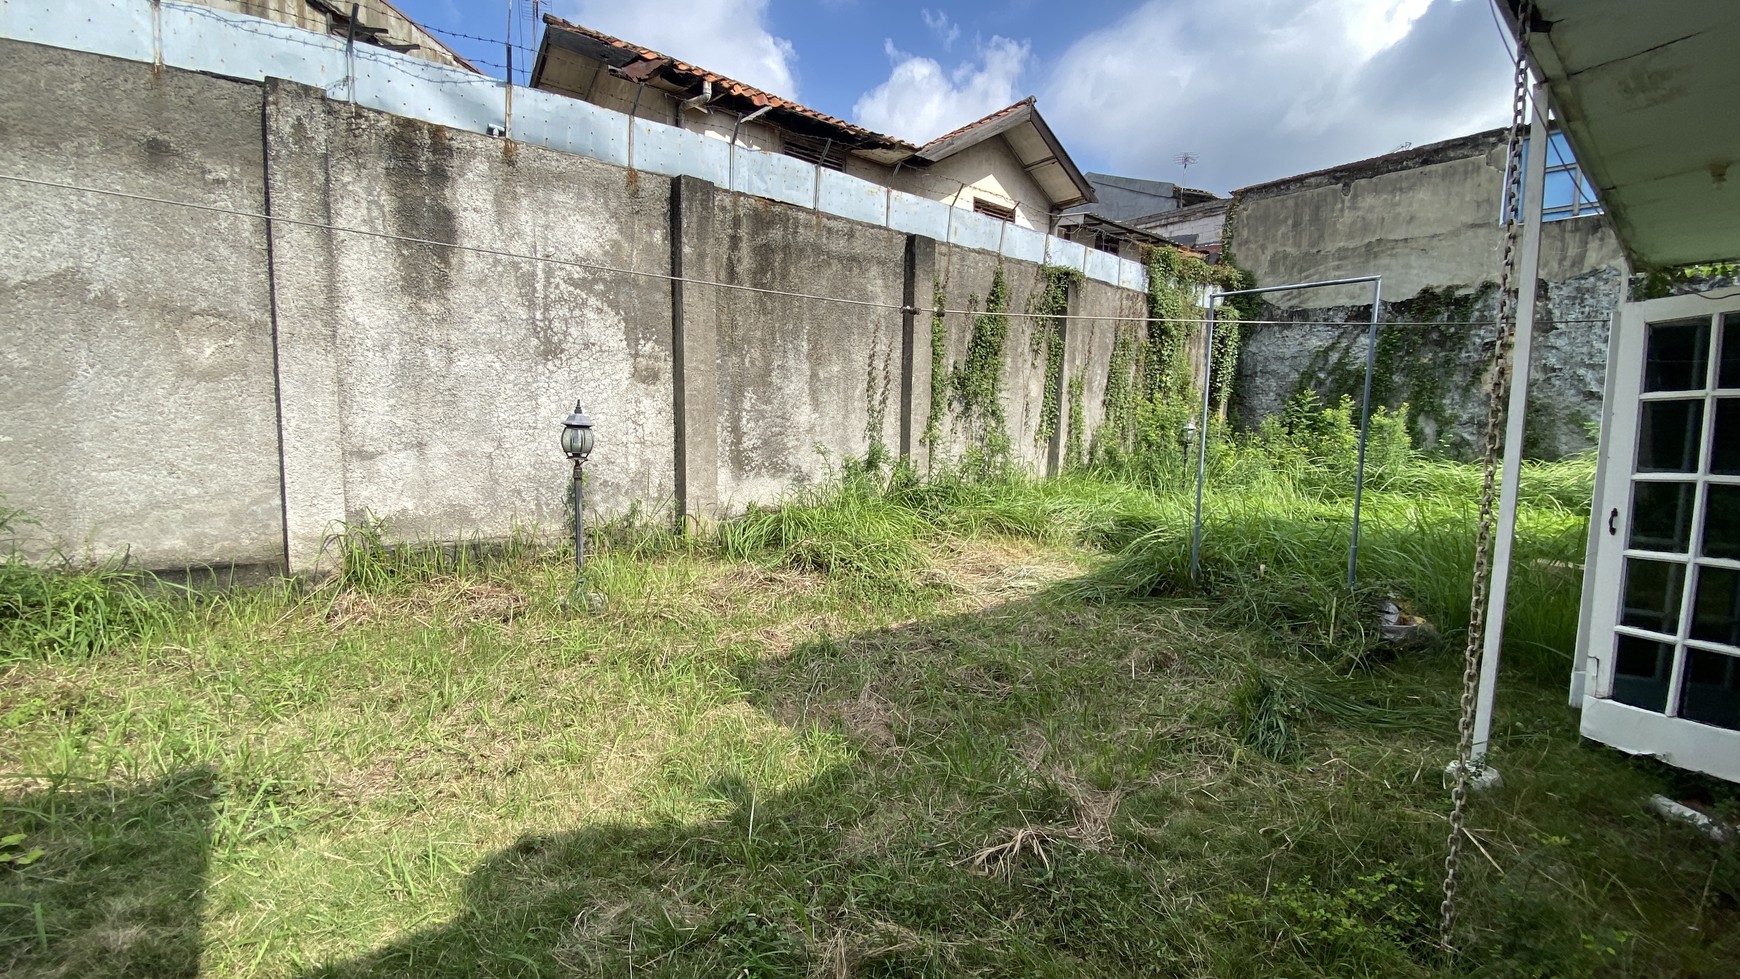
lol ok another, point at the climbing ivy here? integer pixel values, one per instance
(878, 379)
(938, 368)
(976, 380)
(1655, 283)
(1175, 280)
(1074, 451)
(1411, 364)
(1118, 403)
(1050, 305)
(1172, 280)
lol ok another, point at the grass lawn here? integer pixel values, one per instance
(988, 735)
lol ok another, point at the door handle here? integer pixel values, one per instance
(1613, 522)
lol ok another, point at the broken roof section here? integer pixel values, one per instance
(644, 65)
(1028, 137)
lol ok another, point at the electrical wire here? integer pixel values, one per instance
(733, 286)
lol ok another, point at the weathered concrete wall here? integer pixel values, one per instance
(403, 334)
(802, 383)
(1441, 371)
(1431, 224)
(1423, 219)
(423, 384)
(136, 390)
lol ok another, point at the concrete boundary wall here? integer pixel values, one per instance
(200, 38)
(193, 388)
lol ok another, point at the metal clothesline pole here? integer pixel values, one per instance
(1202, 442)
(1214, 299)
(1371, 339)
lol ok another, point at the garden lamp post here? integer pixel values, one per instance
(577, 444)
(1187, 438)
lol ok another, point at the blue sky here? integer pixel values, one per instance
(1253, 89)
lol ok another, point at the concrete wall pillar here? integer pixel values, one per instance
(307, 319)
(917, 295)
(694, 350)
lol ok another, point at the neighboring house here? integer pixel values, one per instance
(1131, 212)
(1197, 225)
(378, 23)
(1428, 220)
(1107, 235)
(1651, 106)
(1008, 165)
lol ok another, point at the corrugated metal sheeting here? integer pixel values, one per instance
(201, 38)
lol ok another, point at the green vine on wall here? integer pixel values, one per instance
(938, 368)
(1074, 449)
(878, 379)
(1050, 305)
(1411, 365)
(976, 380)
(1118, 402)
(1175, 281)
(1153, 365)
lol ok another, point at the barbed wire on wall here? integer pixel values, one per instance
(686, 280)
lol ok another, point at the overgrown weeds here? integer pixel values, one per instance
(59, 609)
(968, 724)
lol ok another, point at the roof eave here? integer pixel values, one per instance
(1024, 114)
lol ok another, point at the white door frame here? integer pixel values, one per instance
(1685, 743)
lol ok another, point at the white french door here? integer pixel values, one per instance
(1663, 644)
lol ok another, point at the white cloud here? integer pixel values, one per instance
(1260, 89)
(726, 36)
(947, 32)
(920, 100)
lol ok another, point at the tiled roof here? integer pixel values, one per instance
(993, 117)
(651, 61)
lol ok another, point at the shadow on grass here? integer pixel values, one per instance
(118, 887)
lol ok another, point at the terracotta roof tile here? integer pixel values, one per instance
(993, 117)
(726, 84)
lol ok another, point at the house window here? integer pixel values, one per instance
(821, 152)
(1568, 193)
(993, 209)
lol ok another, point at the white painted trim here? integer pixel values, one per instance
(1685, 744)
(1516, 418)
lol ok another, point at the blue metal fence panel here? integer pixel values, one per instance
(972, 230)
(851, 197)
(1103, 266)
(659, 148)
(918, 215)
(407, 86)
(1069, 254)
(117, 28)
(1132, 275)
(774, 176)
(200, 38)
(569, 125)
(1024, 244)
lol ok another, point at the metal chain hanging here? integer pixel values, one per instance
(1498, 396)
